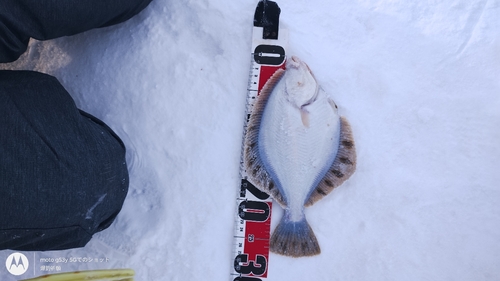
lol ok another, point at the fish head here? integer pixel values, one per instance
(301, 85)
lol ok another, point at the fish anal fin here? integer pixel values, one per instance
(342, 168)
(253, 164)
(294, 239)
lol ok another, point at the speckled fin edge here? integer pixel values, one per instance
(294, 239)
(342, 168)
(256, 171)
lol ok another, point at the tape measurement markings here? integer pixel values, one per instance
(253, 219)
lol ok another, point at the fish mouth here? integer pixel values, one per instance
(294, 62)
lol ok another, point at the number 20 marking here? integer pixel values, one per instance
(250, 210)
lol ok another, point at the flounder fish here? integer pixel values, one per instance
(297, 149)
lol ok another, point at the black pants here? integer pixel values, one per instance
(63, 175)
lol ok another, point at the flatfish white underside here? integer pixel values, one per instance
(297, 155)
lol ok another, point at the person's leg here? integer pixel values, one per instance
(63, 174)
(48, 19)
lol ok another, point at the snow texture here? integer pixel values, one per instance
(419, 82)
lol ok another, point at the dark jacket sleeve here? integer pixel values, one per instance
(48, 19)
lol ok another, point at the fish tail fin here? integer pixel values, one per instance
(294, 239)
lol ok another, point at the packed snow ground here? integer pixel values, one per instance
(419, 82)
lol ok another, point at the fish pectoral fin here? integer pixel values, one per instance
(304, 115)
(333, 104)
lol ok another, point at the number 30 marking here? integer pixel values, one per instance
(252, 267)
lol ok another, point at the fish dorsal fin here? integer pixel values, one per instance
(256, 171)
(342, 168)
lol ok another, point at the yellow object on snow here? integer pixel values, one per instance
(97, 275)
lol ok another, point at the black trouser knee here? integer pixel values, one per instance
(63, 175)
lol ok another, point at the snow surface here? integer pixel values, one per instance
(418, 80)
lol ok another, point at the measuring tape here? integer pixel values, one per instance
(253, 219)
